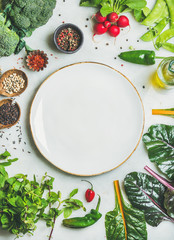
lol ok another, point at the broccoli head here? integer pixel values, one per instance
(8, 40)
(30, 14)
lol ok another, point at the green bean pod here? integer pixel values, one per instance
(155, 14)
(170, 4)
(155, 31)
(144, 57)
(164, 37)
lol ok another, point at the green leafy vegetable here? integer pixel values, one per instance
(147, 194)
(124, 222)
(159, 142)
(118, 6)
(21, 18)
(23, 202)
(169, 202)
(168, 195)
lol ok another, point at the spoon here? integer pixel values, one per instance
(6, 75)
(4, 101)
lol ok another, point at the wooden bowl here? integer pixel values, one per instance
(7, 74)
(4, 101)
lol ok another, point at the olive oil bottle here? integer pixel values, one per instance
(164, 76)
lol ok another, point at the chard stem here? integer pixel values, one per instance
(159, 178)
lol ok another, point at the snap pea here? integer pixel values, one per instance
(170, 5)
(168, 46)
(155, 31)
(165, 13)
(86, 221)
(155, 14)
(164, 37)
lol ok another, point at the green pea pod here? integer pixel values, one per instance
(164, 37)
(155, 31)
(155, 14)
(170, 5)
(86, 221)
(168, 46)
(165, 13)
(144, 57)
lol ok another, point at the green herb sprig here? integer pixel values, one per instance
(23, 202)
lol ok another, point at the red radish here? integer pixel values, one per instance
(113, 17)
(99, 29)
(123, 21)
(107, 24)
(99, 18)
(114, 31)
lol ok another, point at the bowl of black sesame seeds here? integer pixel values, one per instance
(68, 38)
(13, 82)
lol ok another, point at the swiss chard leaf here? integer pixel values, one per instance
(159, 142)
(124, 222)
(147, 194)
(169, 202)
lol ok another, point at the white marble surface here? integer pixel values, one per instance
(19, 142)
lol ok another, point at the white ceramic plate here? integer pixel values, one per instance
(87, 118)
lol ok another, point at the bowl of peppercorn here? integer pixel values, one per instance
(68, 38)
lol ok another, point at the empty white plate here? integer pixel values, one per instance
(87, 118)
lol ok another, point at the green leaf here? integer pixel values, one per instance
(16, 186)
(147, 194)
(90, 3)
(124, 222)
(74, 192)
(159, 142)
(169, 202)
(5, 155)
(67, 212)
(135, 4)
(106, 9)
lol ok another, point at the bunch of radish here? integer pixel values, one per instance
(111, 24)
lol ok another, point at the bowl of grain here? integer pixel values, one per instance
(13, 82)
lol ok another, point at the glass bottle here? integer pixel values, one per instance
(165, 73)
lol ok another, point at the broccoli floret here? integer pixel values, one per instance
(8, 40)
(31, 14)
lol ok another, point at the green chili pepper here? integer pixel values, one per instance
(144, 57)
(155, 14)
(155, 31)
(164, 37)
(86, 221)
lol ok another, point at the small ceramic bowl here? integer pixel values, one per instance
(66, 26)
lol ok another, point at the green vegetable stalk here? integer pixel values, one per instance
(86, 221)
(118, 6)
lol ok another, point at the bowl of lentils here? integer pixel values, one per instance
(68, 38)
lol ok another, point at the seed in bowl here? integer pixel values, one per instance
(13, 83)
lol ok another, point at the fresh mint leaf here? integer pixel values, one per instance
(67, 212)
